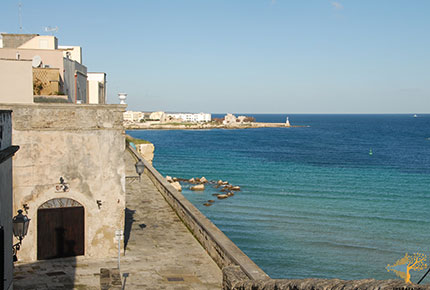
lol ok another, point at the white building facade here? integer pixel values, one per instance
(194, 118)
(132, 116)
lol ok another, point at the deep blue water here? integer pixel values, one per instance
(313, 203)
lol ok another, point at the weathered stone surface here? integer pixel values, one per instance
(85, 145)
(235, 279)
(169, 179)
(146, 151)
(177, 185)
(199, 187)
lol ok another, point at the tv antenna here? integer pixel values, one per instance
(52, 30)
(20, 16)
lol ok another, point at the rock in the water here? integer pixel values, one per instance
(169, 179)
(211, 200)
(177, 185)
(192, 180)
(224, 189)
(222, 196)
(199, 187)
(219, 182)
(225, 182)
(235, 188)
(203, 180)
(175, 179)
(230, 194)
(207, 204)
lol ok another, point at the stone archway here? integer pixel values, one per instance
(60, 229)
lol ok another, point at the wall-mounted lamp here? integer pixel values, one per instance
(26, 207)
(99, 203)
(20, 225)
(140, 167)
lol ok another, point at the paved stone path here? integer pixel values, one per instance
(161, 253)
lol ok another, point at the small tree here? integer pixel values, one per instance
(403, 266)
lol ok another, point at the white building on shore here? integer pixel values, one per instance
(188, 117)
(132, 116)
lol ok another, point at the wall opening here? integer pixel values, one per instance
(60, 229)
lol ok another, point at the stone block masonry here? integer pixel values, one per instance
(84, 145)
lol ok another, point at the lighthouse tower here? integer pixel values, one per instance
(287, 123)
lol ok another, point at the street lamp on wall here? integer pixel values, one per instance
(20, 225)
(140, 167)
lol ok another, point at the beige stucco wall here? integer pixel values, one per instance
(53, 58)
(41, 42)
(75, 52)
(85, 145)
(16, 81)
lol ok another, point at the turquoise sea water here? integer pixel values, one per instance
(313, 203)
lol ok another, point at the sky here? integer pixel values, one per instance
(247, 56)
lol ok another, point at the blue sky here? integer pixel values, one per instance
(259, 56)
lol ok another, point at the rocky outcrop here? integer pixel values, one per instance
(222, 196)
(169, 179)
(203, 180)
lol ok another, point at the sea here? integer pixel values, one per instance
(342, 197)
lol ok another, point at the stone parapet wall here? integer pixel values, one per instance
(235, 279)
(221, 249)
(66, 117)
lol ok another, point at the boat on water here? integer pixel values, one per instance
(415, 116)
(370, 152)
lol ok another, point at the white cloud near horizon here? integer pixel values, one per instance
(337, 5)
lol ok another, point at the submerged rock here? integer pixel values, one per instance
(207, 204)
(230, 194)
(211, 200)
(199, 187)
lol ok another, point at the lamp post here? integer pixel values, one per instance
(20, 225)
(140, 167)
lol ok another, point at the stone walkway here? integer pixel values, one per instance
(161, 253)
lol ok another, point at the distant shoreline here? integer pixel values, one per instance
(205, 126)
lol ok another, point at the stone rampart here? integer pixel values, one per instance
(221, 249)
(239, 271)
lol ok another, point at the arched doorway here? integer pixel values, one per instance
(60, 229)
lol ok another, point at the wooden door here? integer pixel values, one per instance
(60, 232)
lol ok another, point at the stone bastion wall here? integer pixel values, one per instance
(239, 271)
(82, 145)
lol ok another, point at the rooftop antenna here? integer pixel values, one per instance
(20, 16)
(52, 30)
